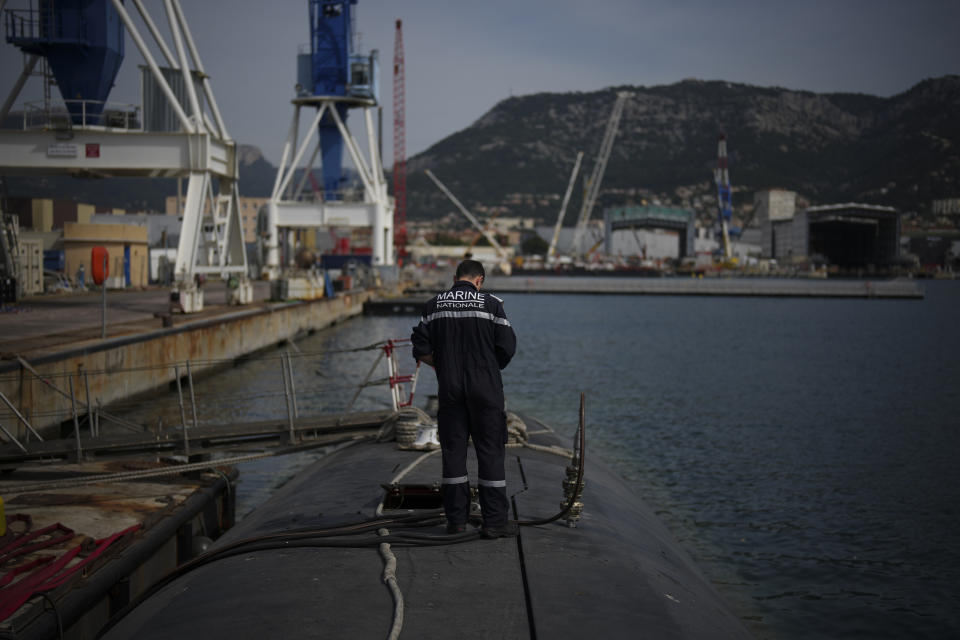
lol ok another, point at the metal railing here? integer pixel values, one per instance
(74, 398)
(68, 114)
(41, 25)
(316, 193)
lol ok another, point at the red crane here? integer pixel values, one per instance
(399, 147)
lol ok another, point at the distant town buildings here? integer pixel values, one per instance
(57, 235)
(47, 214)
(946, 207)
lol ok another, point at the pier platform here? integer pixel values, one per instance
(51, 322)
(54, 363)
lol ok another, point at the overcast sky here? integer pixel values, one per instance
(464, 57)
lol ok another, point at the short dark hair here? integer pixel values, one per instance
(469, 269)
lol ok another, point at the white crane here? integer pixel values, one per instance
(593, 185)
(181, 134)
(563, 208)
(505, 264)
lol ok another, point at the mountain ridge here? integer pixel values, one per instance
(516, 158)
(901, 150)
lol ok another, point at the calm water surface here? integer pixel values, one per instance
(804, 451)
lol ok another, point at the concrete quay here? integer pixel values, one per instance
(768, 287)
(53, 360)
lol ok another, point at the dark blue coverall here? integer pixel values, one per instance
(471, 340)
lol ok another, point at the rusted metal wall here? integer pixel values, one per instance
(119, 368)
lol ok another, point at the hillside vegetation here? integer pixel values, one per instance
(902, 151)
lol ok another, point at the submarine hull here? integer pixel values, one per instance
(618, 573)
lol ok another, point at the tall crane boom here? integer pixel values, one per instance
(593, 186)
(724, 202)
(563, 207)
(469, 216)
(399, 144)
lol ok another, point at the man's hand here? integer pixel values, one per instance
(427, 359)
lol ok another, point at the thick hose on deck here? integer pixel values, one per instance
(341, 536)
(346, 536)
(349, 535)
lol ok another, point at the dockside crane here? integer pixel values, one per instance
(399, 145)
(477, 236)
(724, 202)
(593, 185)
(176, 131)
(333, 80)
(504, 258)
(552, 250)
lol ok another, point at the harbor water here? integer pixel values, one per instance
(803, 451)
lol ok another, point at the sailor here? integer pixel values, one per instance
(465, 335)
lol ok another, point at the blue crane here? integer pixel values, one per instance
(332, 69)
(82, 41)
(724, 202)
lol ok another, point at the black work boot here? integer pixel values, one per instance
(507, 530)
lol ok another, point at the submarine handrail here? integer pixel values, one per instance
(88, 409)
(47, 378)
(202, 361)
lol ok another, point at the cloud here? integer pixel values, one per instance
(462, 58)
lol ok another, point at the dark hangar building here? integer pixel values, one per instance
(848, 235)
(852, 235)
